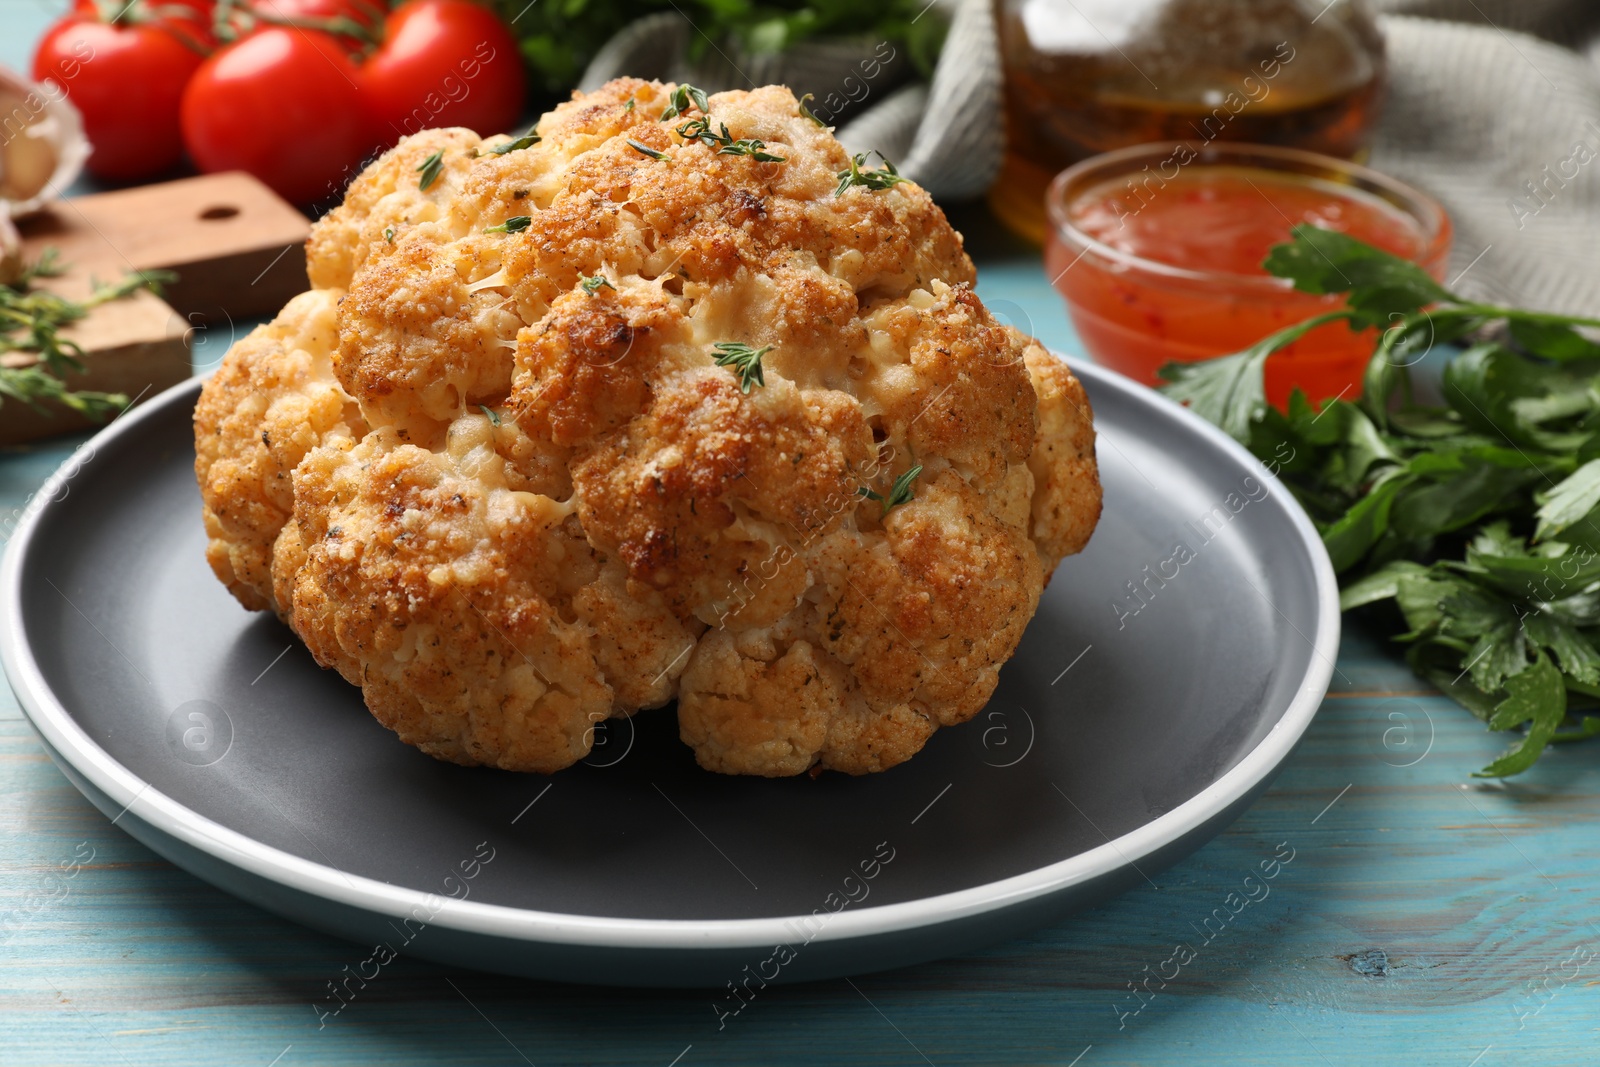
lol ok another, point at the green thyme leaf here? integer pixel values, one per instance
(515, 224)
(806, 111)
(752, 147)
(430, 169)
(646, 149)
(31, 321)
(899, 493)
(595, 284)
(701, 130)
(494, 416)
(388, 234)
(744, 359)
(527, 140)
(884, 177)
(682, 97)
(630, 104)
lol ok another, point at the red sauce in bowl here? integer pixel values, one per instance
(1159, 268)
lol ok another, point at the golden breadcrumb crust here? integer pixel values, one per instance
(498, 481)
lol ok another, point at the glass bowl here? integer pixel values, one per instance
(1135, 313)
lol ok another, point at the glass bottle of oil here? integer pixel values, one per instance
(1087, 76)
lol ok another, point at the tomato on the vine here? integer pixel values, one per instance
(126, 77)
(283, 104)
(443, 63)
(190, 19)
(355, 24)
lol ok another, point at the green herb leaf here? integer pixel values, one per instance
(701, 130)
(1230, 391)
(1430, 507)
(885, 177)
(1379, 585)
(645, 149)
(430, 169)
(899, 493)
(1536, 696)
(806, 111)
(1571, 500)
(527, 140)
(744, 359)
(750, 146)
(1379, 284)
(494, 417)
(515, 224)
(595, 284)
(681, 98)
(388, 234)
(30, 325)
(1552, 340)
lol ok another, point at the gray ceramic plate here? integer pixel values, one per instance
(1123, 735)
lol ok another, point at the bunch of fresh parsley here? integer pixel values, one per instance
(1478, 519)
(31, 320)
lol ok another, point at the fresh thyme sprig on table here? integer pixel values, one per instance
(30, 324)
(1479, 518)
(744, 359)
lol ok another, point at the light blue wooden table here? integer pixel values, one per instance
(1425, 919)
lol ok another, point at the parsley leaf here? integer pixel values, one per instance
(1323, 261)
(1473, 525)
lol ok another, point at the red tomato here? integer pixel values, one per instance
(443, 63)
(283, 105)
(127, 80)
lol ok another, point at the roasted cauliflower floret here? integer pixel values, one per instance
(639, 413)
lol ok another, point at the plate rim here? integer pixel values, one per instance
(64, 736)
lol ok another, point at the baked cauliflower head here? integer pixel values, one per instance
(675, 403)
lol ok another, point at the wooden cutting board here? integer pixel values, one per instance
(235, 245)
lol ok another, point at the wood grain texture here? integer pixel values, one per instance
(233, 243)
(1423, 918)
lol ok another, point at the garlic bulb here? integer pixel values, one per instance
(42, 146)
